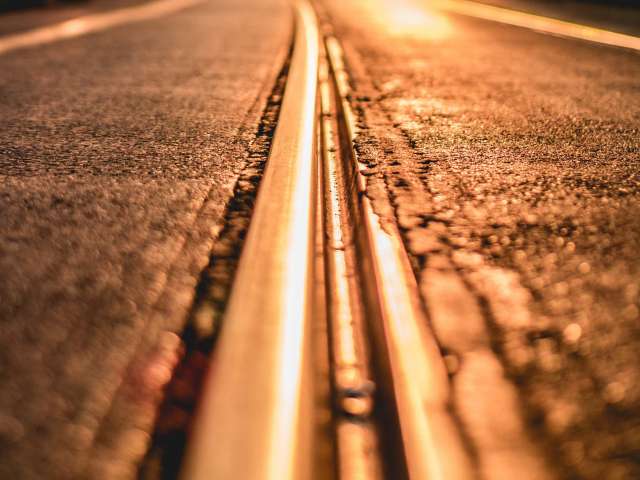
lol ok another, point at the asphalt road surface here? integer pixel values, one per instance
(510, 159)
(22, 20)
(118, 153)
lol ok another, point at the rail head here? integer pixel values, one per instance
(254, 419)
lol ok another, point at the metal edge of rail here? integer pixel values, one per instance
(432, 446)
(356, 434)
(255, 416)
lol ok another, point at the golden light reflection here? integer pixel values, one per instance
(74, 27)
(535, 22)
(92, 23)
(428, 19)
(410, 18)
(257, 396)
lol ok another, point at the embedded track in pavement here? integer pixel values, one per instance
(321, 270)
(325, 365)
(257, 416)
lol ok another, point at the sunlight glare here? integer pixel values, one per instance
(407, 18)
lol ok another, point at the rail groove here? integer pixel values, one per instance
(357, 441)
(411, 374)
(390, 405)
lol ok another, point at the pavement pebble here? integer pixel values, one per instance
(517, 157)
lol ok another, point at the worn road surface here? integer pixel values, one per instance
(118, 153)
(511, 161)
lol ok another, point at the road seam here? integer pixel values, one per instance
(211, 296)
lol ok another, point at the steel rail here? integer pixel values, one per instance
(356, 433)
(255, 420)
(432, 445)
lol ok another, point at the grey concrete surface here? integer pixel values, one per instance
(511, 162)
(118, 154)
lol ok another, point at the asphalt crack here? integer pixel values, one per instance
(170, 435)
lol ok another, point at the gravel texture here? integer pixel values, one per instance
(118, 154)
(514, 157)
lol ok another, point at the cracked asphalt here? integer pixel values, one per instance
(510, 160)
(118, 153)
